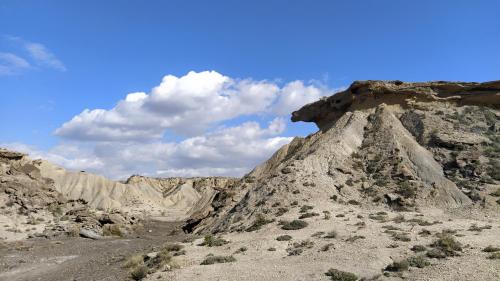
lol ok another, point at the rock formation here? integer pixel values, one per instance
(404, 145)
(36, 193)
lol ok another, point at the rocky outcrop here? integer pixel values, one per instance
(79, 203)
(369, 94)
(396, 144)
(31, 205)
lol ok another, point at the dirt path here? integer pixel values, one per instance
(79, 258)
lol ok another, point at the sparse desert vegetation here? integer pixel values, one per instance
(211, 259)
(338, 275)
(213, 241)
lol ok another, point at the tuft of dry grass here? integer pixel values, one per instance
(354, 238)
(330, 235)
(112, 230)
(241, 250)
(327, 247)
(297, 248)
(139, 272)
(173, 247)
(134, 261)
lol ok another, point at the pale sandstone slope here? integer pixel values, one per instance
(174, 198)
(38, 198)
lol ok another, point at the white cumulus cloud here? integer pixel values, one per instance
(214, 117)
(231, 151)
(187, 105)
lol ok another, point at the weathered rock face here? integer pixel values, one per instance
(186, 197)
(35, 193)
(403, 145)
(30, 202)
(368, 94)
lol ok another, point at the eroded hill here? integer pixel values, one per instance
(41, 199)
(395, 144)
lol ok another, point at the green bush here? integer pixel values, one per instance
(380, 216)
(297, 248)
(401, 237)
(353, 202)
(213, 241)
(448, 244)
(281, 211)
(260, 221)
(418, 248)
(398, 266)
(445, 246)
(407, 190)
(308, 215)
(218, 259)
(241, 250)
(284, 238)
(317, 234)
(305, 208)
(418, 261)
(491, 249)
(338, 275)
(476, 228)
(436, 254)
(294, 225)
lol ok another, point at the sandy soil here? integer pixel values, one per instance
(84, 259)
(366, 257)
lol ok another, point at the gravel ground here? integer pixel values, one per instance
(79, 258)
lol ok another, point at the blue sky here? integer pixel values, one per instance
(76, 55)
